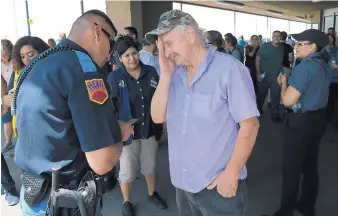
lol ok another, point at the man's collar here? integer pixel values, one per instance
(313, 55)
(72, 45)
(76, 46)
(143, 72)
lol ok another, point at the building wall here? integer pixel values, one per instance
(152, 11)
(137, 17)
(120, 14)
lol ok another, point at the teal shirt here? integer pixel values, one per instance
(312, 78)
(271, 60)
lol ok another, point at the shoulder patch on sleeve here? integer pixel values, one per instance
(97, 90)
(86, 62)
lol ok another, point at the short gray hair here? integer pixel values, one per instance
(200, 33)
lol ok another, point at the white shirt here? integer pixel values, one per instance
(290, 42)
(6, 71)
(148, 58)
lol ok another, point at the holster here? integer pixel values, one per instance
(84, 198)
(36, 187)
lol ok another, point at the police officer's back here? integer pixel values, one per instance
(65, 117)
(305, 93)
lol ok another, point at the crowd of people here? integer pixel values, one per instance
(105, 97)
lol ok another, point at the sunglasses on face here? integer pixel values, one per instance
(111, 39)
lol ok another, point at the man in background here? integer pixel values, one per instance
(288, 52)
(269, 63)
(133, 33)
(232, 48)
(148, 57)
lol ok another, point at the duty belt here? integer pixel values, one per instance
(84, 198)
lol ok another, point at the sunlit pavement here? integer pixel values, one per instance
(264, 181)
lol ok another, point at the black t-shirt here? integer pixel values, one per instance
(250, 61)
(287, 49)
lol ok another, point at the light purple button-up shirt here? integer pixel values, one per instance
(203, 119)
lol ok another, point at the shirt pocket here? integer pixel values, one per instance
(202, 105)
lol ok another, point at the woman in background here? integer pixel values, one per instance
(24, 50)
(133, 85)
(250, 57)
(215, 38)
(6, 72)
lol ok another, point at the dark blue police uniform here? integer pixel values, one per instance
(304, 128)
(132, 99)
(63, 110)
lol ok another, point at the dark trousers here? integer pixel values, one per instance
(211, 203)
(6, 179)
(275, 91)
(332, 105)
(303, 133)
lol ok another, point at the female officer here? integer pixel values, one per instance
(306, 94)
(24, 50)
(133, 86)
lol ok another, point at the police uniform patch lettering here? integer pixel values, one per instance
(153, 83)
(122, 84)
(97, 90)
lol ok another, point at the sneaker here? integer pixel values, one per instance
(157, 200)
(11, 198)
(5, 148)
(128, 209)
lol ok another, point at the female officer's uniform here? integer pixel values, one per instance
(304, 128)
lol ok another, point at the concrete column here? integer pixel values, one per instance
(125, 13)
(120, 14)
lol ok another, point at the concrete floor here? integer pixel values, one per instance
(264, 181)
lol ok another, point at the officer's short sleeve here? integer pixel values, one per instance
(92, 110)
(299, 78)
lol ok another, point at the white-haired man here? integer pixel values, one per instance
(208, 101)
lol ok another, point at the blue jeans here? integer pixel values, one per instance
(40, 209)
(211, 203)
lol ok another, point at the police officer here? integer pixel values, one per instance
(64, 116)
(305, 93)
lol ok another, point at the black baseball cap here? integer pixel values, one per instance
(314, 36)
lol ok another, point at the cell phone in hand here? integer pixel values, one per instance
(133, 121)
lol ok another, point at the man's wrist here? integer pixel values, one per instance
(233, 172)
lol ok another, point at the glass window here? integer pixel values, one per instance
(315, 26)
(277, 24)
(176, 6)
(328, 23)
(308, 26)
(216, 19)
(336, 27)
(297, 27)
(249, 24)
